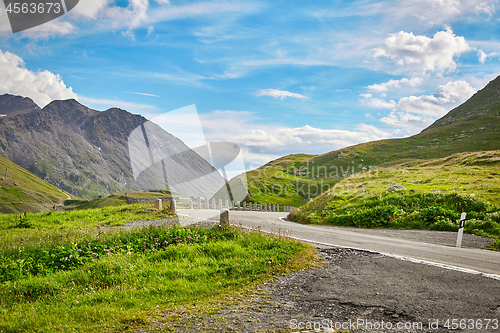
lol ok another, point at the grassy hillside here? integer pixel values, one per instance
(23, 191)
(113, 200)
(437, 191)
(471, 127)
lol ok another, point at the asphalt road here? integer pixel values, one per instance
(484, 261)
(375, 286)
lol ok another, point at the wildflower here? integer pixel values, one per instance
(79, 250)
(98, 227)
(157, 239)
(117, 247)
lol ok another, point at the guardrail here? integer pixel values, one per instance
(205, 203)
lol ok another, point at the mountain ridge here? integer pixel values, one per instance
(85, 151)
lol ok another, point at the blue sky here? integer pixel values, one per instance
(276, 77)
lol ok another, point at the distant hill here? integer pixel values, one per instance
(293, 179)
(86, 152)
(23, 191)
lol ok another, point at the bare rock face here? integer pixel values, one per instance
(395, 188)
(80, 150)
(11, 105)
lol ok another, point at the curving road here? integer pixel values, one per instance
(479, 261)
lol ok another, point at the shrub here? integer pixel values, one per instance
(366, 218)
(444, 225)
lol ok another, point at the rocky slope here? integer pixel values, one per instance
(84, 151)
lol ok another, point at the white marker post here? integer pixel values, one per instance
(461, 230)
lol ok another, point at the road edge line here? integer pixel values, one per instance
(395, 256)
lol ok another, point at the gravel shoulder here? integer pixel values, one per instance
(427, 236)
(355, 286)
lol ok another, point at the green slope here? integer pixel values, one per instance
(436, 192)
(472, 126)
(23, 191)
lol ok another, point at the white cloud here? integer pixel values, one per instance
(427, 54)
(395, 84)
(42, 86)
(486, 8)
(413, 113)
(138, 13)
(134, 15)
(436, 104)
(377, 103)
(129, 106)
(417, 13)
(440, 101)
(141, 13)
(143, 94)
(280, 94)
(151, 30)
(263, 142)
(407, 123)
(91, 9)
(483, 56)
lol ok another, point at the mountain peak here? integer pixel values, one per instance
(13, 105)
(484, 103)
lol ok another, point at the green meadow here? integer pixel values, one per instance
(73, 272)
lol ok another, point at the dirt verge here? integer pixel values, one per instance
(356, 287)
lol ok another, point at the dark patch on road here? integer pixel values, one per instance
(354, 285)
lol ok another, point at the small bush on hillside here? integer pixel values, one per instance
(434, 211)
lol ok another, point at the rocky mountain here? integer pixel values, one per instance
(86, 152)
(11, 105)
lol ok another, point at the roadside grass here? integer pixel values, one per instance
(125, 277)
(437, 192)
(52, 227)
